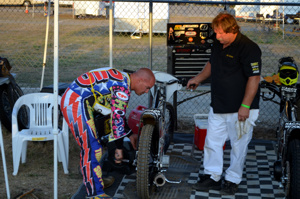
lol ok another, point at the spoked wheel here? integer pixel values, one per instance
(169, 125)
(294, 165)
(147, 153)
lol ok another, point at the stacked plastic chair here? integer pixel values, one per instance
(38, 109)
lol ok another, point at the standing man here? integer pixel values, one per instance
(234, 68)
(106, 91)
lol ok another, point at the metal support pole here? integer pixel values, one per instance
(150, 44)
(55, 92)
(110, 34)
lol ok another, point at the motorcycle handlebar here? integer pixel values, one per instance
(271, 86)
(170, 82)
(275, 89)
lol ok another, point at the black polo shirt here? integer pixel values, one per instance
(230, 69)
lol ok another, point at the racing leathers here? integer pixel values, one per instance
(106, 90)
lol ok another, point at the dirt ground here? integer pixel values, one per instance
(37, 173)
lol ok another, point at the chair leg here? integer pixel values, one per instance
(24, 152)
(62, 153)
(17, 150)
(65, 131)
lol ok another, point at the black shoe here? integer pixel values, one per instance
(108, 181)
(206, 183)
(229, 188)
(80, 193)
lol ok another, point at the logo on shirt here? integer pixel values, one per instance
(119, 112)
(230, 56)
(122, 95)
(255, 67)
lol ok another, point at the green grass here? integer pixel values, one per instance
(84, 45)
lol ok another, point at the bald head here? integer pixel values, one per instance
(145, 73)
(142, 80)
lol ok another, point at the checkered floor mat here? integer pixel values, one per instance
(257, 180)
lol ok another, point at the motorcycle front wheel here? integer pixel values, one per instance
(147, 153)
(294, 162)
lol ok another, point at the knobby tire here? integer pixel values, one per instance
(169, 125)
(9, 94)
(23, 114)
(5, 106)
(298, 110)
(143, 158)
(294, 160)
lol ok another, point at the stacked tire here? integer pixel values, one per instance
(9, 94)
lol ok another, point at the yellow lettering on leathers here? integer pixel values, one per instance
(98, 154)
(91, 122)
(98, 172)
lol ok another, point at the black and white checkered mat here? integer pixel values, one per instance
(257, 180)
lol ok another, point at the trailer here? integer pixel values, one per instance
(133, 17)
(274, 11)
(89, 8)
(66, 3)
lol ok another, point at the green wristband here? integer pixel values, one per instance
(243, 105)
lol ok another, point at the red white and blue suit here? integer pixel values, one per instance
(110, 88)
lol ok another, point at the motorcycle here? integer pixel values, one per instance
(287, 166)
(155, 132)
(155, 136)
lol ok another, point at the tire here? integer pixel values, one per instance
(146, 170)
(298, 110)
(23, 114)
(15, 92)
(170, 121)
(9, 94)
(294, 162)
(5, 106)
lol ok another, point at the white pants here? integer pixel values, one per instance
(221, 127)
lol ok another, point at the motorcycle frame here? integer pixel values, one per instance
(155, 116)
(162, 91)
(287, 127)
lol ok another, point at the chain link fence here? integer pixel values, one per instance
(84, 40)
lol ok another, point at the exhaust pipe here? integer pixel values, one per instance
(160, 180)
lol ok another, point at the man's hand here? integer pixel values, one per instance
(118, 156)
(192, 84)
(133, 139)
(243, 113)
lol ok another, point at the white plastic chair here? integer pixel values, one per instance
(4, 164)
(40, 113)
